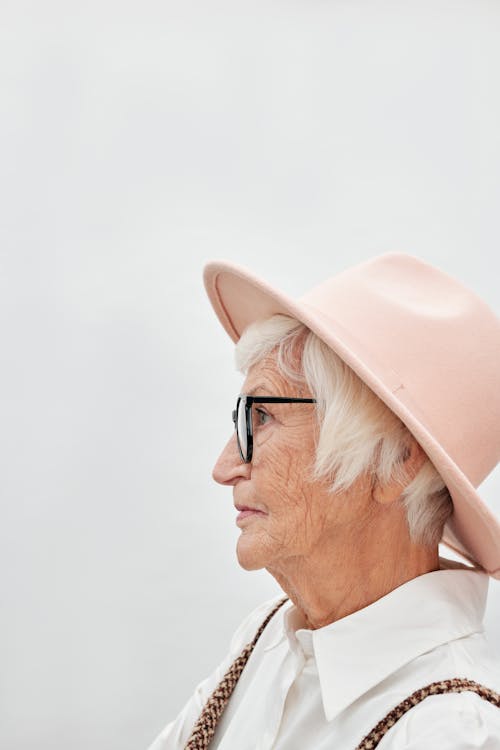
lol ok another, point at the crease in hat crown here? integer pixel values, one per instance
(425, 344)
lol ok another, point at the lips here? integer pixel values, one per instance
(246, 514)
(247, 507)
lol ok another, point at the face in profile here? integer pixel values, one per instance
(295, 514)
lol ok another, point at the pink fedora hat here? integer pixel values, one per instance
(425, 344)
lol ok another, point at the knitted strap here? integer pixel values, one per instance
(204, 729)
(456, 685)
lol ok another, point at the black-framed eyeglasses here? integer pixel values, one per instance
(242, 418)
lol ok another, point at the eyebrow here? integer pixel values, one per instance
(253, 391)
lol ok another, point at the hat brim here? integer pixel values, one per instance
(239, 298)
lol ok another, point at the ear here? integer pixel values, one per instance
(385, 494)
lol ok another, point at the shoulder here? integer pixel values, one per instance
(176, 732)
(249, 626)
(452, 721)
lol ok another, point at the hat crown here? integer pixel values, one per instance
(433, 340)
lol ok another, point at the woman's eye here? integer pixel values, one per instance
(262, 416)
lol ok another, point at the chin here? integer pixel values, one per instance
(250, 554)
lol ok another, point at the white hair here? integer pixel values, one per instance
(358, 432)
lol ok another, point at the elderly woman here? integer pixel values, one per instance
(369, 413)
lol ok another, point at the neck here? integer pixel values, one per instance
(330, 583)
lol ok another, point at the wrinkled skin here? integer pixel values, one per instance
(331, 554)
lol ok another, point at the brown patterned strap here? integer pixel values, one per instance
(204, 729)
(456, 685)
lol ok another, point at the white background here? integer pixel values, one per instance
(139, 140)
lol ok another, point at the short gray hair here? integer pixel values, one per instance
(358, 432)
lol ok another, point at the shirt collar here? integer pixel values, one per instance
(357, 652)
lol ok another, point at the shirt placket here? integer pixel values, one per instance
(292, 667)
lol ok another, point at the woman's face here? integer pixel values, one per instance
(296, 515)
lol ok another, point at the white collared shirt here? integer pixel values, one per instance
(327, 688)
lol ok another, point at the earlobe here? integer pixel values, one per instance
(388, 493)
(413, 460)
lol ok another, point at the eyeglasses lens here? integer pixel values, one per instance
(242, 428)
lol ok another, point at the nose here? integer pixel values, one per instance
(229, 467)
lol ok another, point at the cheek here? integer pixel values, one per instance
(281, 472)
